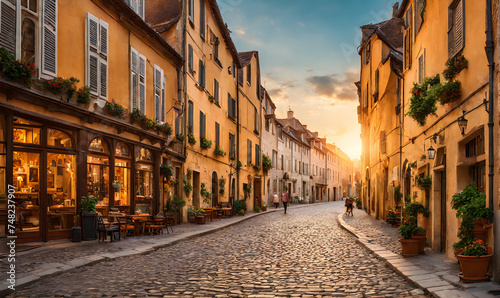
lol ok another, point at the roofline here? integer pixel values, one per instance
(402, 8)
(125, 11)
(382, 37)
(225, 31)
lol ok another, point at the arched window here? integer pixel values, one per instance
(144, 154)
(99, 145)
(58, 138)
(122, 150)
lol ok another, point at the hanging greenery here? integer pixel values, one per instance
(267, 164)
(424, 182)
(423, 100)
(454, 66)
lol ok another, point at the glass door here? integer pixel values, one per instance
(27, 196)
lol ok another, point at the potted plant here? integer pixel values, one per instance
(240, 206)
(264, 207)
(89, 217)
(256, 209)
(200, 217)
(471, 209)
(424, 183)
(191, 212)
(177, 204)
(391, 217)
(409, 246)
(420, 234)
(474, 260)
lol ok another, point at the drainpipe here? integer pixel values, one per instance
(489, 48)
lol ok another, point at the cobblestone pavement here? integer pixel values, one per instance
(301, 253)
(379, 231)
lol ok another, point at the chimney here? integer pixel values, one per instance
(395, 9)
(290, 114)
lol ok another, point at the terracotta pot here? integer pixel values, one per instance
(191, 219)
(474, 269)
(421, 243)
(200, 219)
(409, 247)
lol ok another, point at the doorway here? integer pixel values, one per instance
(196, 189)
(257, 192)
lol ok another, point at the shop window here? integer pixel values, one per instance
(144, 188)
(98, 145)
(143, 155)
(121, 185)
(58, 138)
(26, 132)
(122, 150)
(27, 184)
(61, 191)
(98, 181)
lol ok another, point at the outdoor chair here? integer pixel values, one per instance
(126, 224)
(104, 231)
(155, 225)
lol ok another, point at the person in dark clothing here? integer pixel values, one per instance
(284, 198)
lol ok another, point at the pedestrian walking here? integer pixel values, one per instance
(276, 201)
(284, 198)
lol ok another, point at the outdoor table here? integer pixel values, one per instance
(140, 222)
(226, 212)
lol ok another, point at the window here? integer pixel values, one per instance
(203, 119)
(202, 18)
(97, 57)
(217, 134)
(419, 12)
(215, 48)
(382, 142)
(421, 68)
(191, 11)
(249, 151)
(398, 93)
(274, 158)
(138, 80)
(231, 107)
(190, 60)
(365, 97)
(366, 52)
(475, 147)
(216, 92)
(190, 117)
(407, 40)
(375, 93)
(232, 144)
(233, 70)
(257, 155)
(178, 121)
(267, 124)
(202, 78)
(249, 74)
(256, 121)
(456, 27)
(159, 88)
(137, 6)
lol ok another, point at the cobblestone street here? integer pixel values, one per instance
(301, 253)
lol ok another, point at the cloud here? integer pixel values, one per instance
(335, 86)
(240, 31)
(301, 24)
(280, 93)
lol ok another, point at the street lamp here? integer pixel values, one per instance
(431, 152)
(462, 123)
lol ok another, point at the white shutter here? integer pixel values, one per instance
(103, 78)
(142, 84)
(92, 61)
(134, 66)
(103, 38)
(8, 26)
(49, 38)
(164, 100)
(140, 8)
(157, 78)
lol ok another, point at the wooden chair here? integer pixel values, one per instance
(103, 230)
(126, 224)
(155, 225)
(170, 222)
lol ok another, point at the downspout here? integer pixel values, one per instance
(238, 169)
(489, 48)
(184, 87)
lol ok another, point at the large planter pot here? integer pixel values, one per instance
(409, 247)
(89, 224)
(391, 220)
(76, 234)
(200, 219)
(474, 269)
(421, 243)
(264, 209)
(191, 219)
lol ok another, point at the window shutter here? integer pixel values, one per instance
(103, 38)
(450, 32)
(93, 73)
(8, 26)
(382, 142)
(204, 76)
(140, 9)
(376, 80)
(142, 84)
(200, 72)
(217, 134)
(49, 38)
(157, 78)
(202, 124)
(190, 59)
(458, 25)
(92, 68)
(216, 91)
(134, 61)
(249, 151)
(103, 78)
(191, 115)
(202, 18)
(163, 97)
(256, 123)
(419, 7)
(231, 145)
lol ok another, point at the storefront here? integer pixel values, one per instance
(43, 157)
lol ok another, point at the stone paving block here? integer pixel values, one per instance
(121, 254)
(78, 262)
(453, 278)
(421, 277)
(49, 272)
(453, 294)
(441, 288)
(427, 283)
(27, 280)
(414, 272)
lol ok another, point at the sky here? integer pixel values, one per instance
(308, 57)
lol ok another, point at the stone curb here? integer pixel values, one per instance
(141, 250)
(415, 275)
